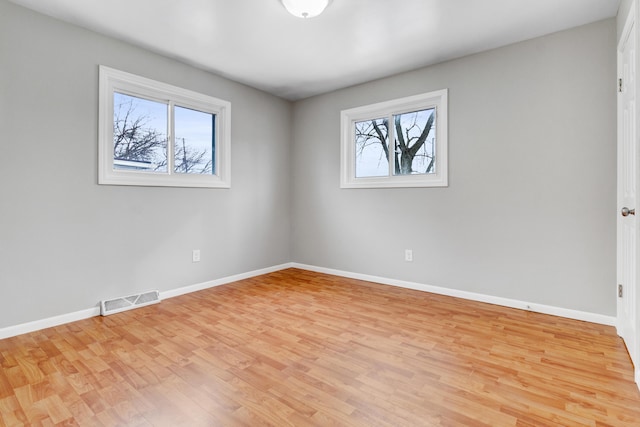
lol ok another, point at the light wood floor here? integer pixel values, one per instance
(299, 348)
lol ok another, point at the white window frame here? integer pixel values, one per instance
(436, 99)
(111, 81)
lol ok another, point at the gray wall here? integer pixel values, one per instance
(66, 242)
(529, 212)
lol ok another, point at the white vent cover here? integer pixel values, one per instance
(116, 305)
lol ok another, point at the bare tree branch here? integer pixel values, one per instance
(134, 139)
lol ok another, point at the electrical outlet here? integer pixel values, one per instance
(195, 255)
(408, 255)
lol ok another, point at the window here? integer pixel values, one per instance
(155, 134)
(398, 143)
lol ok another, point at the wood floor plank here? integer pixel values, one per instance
(297, 348)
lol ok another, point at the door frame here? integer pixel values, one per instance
(631, 21)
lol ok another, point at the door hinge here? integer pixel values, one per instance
(619, 291)
(620, 85)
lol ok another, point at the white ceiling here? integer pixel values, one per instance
(258, 43)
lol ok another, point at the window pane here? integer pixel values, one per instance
(415, 142)
(372, 152)
(139, 134)
(195, 141)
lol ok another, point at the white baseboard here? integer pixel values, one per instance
(506, 302)
(212, 283)
(36, 325)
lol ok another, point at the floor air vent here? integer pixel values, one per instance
(116, 305)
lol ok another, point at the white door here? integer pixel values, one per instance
(627, 188)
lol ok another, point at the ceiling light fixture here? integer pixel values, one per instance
(305, 8)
